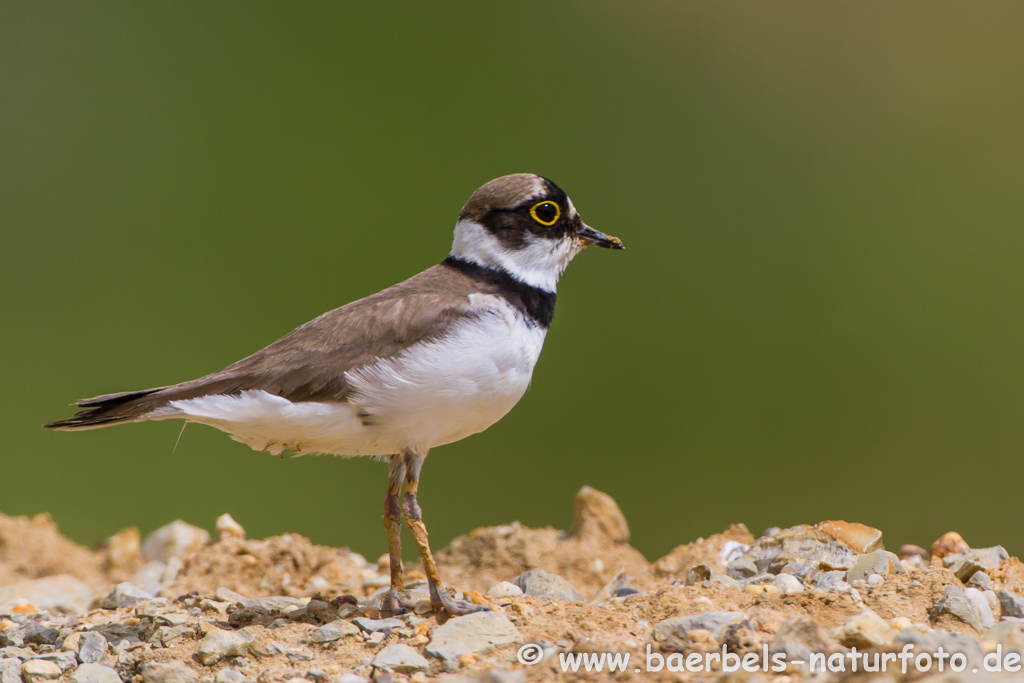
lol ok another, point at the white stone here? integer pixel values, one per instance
(980, 603)
(788, 584)
(505, 589)
(731, 550)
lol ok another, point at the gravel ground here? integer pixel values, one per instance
(180, 607)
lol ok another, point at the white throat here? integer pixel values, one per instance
(539, 263)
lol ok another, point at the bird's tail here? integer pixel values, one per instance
(112, 409)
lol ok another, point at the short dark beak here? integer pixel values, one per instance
(598, 238)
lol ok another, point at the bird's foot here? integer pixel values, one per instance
(397, 602)
(442, 601)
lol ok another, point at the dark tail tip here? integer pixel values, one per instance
(103, 411)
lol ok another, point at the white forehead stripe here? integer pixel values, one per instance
(539, 187)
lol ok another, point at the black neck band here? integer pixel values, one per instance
(535, 303)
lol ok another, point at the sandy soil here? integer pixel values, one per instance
(591, 554)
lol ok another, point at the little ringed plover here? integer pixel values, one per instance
(429, 361)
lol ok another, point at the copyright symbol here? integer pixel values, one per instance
(530, 654)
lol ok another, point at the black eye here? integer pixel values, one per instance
(545, 213)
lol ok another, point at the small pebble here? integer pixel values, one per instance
(229, 676)
(335, 630)
(741, 568)
(766, 590)
(125, 595)
(909, 550)
(371, 625)
(227, 527)
(900, 623)
(981, 581)
(542, 584)
(400, 658)
(92, 647)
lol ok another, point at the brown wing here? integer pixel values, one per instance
(309, 364)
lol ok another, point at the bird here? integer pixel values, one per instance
(423, 363)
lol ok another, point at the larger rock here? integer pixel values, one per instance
(981, 606)
(177, 539)
(37, 670)
(981, 559)
(955, 602)
(477, 633)
(866, 629)
(542, 584)
(801, 544)
(92, 647)
(218, 644)
(95, 673)
(878, 562)
(1011, 605)
(860, 538)
(400, 658)
(713, 622)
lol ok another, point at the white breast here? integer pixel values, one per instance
(431, 394)
(443, 391)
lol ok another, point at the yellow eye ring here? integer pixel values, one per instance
(545, 207)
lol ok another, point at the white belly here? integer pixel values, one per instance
(429, 395)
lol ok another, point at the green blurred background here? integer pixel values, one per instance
(820, 313)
